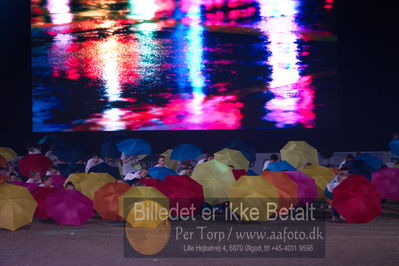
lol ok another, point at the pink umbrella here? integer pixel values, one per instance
(387, 182)
(58, 181)
(33, 162)
(31, 186)
(69, 207)
(307, 189)
(18, 183)
(239, 173)
(40, 194)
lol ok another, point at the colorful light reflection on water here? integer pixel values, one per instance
(178, 65)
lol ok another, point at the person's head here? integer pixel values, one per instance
(343, 171)
(13, 177)
(47, 181)
(70, 186)
(349, 157)
(53, 170)
(189, 168)
(96, 157)
(161, 160)
(209, 156)
(143, 173)
(32, 147)
(35, 175)
(273, 158)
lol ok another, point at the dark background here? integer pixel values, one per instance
(367, 100)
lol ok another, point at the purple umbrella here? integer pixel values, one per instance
(69, 207)
(58, 181)
(307, 189)
(387, 182)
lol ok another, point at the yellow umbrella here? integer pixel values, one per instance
(139, 194)
(8, 154)
(17, 206)
(299, 153)
(215, 178)
(147, 214)
(172, 164)
(322, 176)
(89, 183)
(254, 192)
(232, 157)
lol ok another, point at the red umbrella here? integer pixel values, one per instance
(58, 181)
(33, 162)
(239, 173)
(149, 182)
(69, 207)
(307, 188)
(106, 200)
(357, 200)
(183, 192)
(387, 182)
(40, 194)
(3, 162)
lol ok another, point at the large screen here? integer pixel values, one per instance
(109, 65)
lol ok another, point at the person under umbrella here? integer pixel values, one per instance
(93, 161)
(208, 156)
(161, 162)
(328, 192)
(272, 159)
(104, 167)
(34, 177)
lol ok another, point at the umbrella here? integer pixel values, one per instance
(149, 160)
(307, 188)
(232, 157)
(253, 192)
(373, 161)
(50, 140)
(89, 183)
(248, 151)
(40, 194)
(239, 173)
(8, 154)
(160, 172)
(3, 162)
(147, 214)
(215, 178)
(287, 188)
(183, 192)
(359, 167)
(138, 194)
(280, 166)
(134, 147)
(33, 162)
(186, 152)
(31, 186)
(69, 207)
(299, 153)
(105, 168)
(17, 207)
(394, 146)
(67, 152)
(109, 150)
(322, 175)
(357, 200)
(149, 182)
(252, 173)
(3, 179)
(106, 200)
(172, 164)
(58, 181)
(387, 182)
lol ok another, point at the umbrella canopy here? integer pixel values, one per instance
(31, 186)
(17, 207)
(215, 178)
(109, 150)
(299, 153)
(40, 194)
(106, 200)
(357, 200)
(69, 207)
(373, 161)
(307, 188)
(138, 194)
(280, 166)
(146, 214)
(287, 188)
(3, 179)
(238, 173)
(160, 172)
(248, 151)
(172, 164)
(322, 175)
(185, 152)
(67, 152)
(134, 147)
(8, 154)
(50, 140)
(105, 168)
(183, 192)
(359, 167)
(33, 162)
(253, 192)
(394, 146)
(252, 173)
(232, 157)
(58, 181)
(89, 183)
(3, 162)
(387, 182)
(149, 182)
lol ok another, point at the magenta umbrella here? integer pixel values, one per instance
(58, 181)
(31, 186)
(69, 207)
(307, 188)
(387, 182)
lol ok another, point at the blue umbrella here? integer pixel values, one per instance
(394, 146)
(371, 160)
(251, 173)
(105, 168)
(280, 166)
(248, 151)
(67, 152)
(134, 147)
(185, 152)
(109, 150)
(160, 172)
(50, 140)
(359, 167)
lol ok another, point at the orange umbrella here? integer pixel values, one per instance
(106, 200)
(287, 188)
